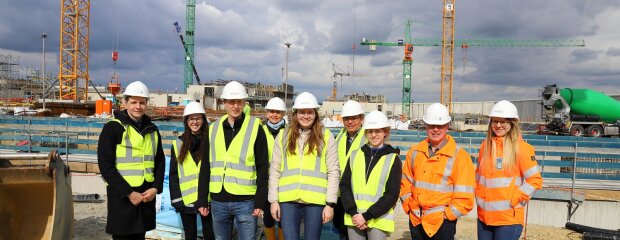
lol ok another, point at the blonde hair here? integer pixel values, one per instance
(315, 140)
(386, 139)
(511, 145)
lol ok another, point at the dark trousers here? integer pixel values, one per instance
(508, 232)
(137, 236)
(446, 231)
(190, 226)
(338, 220)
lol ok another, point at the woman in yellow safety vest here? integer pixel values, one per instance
(304, 173)
(185, 162)
(506, 176)
(275, 124)
(370, 184)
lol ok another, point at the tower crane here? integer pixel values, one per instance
(188, 58)
(339, 72)
(448, 44)
(74, 39)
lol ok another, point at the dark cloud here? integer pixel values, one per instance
(583, 55)
(614, 52)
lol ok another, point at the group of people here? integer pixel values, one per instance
(237, 169)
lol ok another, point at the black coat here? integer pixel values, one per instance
(175, 190)
(392, 187)
(123, 217)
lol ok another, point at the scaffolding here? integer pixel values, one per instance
(9, 69)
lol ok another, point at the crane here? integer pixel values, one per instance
(446, 84)
(339, 72)
(74, 39)
(188, 58)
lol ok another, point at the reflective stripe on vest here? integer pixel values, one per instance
(135, 156)
(234, 168)
(367, 192)
(343, 154)
(305, 180)
(188, 176)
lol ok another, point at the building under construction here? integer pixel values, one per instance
(16, 89)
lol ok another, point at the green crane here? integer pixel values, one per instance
(409, 43)
(190, 25)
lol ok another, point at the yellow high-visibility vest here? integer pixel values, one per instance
(270, 139)
(135, 156)
(304, 177)
(343, 154)
(233, 169)
(188, 177)
(366, 193)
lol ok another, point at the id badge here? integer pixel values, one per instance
(498, 163)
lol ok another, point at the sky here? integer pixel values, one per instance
(244, 40)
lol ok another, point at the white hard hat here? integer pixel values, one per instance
(192, 108)
(351, 108)
(234, 90)
(136, 89)
(305, 100)
(376, 120)
(436, 114)
(504, 109)
(276, 104)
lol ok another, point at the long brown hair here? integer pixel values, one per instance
(187, 140)
(511, 145)
(315, 140)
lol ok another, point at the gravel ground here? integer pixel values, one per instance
(90, 219)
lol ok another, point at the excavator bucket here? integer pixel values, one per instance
(35, 197)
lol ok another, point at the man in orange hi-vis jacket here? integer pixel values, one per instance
(438, 180)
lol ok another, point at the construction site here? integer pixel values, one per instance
(51, 116)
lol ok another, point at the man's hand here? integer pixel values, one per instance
(149, 194)
(257, 212)
(275, 211)
(359, 221)
(135, 198)
(203, 211)
(328, 214)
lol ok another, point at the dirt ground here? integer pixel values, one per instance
(90, 219)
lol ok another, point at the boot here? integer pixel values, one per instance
(270, 233)
(280, 233)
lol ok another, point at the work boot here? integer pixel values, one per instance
(270, 233)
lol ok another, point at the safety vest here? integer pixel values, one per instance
(367, 192)
(432, 186)
(188, 177)
(234, 168)
(343, 154)
(304, 177)
(270, 140)
(501, 194)
(135, 156)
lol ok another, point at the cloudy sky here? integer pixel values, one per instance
(244, 40)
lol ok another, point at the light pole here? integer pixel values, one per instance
(43, 36)
(288, 46)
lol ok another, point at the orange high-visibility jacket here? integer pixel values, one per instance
(432, 186)
(501, 195)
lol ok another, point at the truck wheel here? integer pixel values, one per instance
(594, 131)
(576, 130)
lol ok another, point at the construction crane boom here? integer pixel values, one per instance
(187, 55)
(422, 42)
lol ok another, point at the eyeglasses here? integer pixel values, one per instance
(196, 119)
(432, 126)
(501, 123)
(353, 118)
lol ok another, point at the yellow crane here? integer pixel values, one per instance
(73, 74)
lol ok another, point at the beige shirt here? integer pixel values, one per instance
(333, 167)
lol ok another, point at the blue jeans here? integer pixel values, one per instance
(506, 232)
(241, 212)
(290, 219)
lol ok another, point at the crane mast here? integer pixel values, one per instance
(73, 74)
(447, 54)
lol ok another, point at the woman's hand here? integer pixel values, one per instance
(328, 214)
(275, 211)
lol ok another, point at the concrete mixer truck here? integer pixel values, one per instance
(580, 112)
